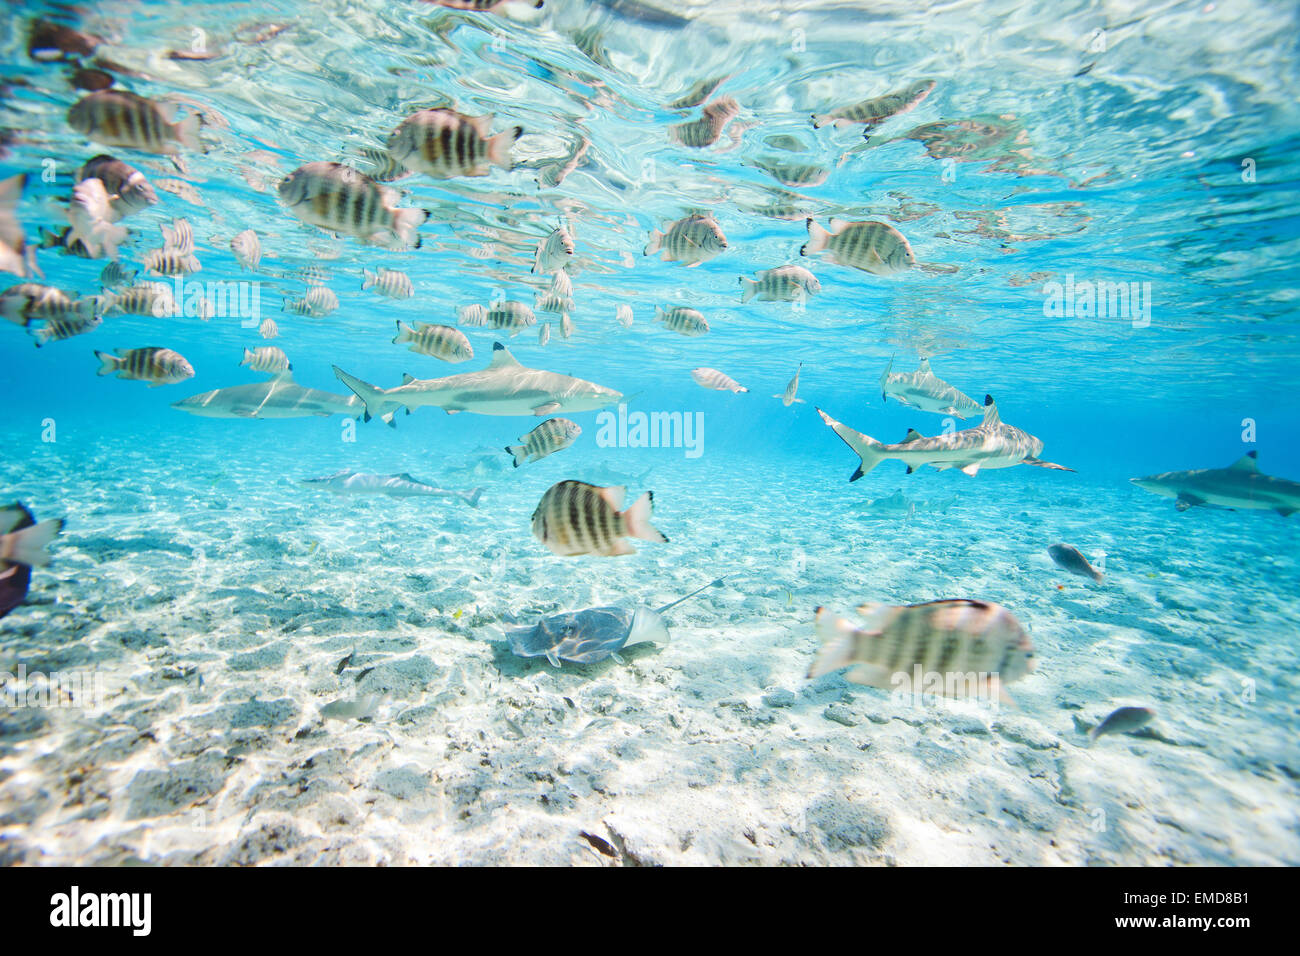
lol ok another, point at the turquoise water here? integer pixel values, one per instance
(221, 605)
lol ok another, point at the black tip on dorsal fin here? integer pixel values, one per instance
(1253, 453)
(988, 400)
(498, 347)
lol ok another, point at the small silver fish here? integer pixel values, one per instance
(1070, 559)
(682, 320)
(712, 378)
(788, 398)
(389, 282)
(1124, 720)
(782, 284)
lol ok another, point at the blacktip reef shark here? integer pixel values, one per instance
(503, 388)
(397, 486)
(1240, 485)
(277, 397)
(924, 390)
(990, 444)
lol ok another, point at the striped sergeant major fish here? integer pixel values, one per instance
(389, 282)
(341, 199)
(120, 118)
(974, 646)
(682, 320)
(874, 247)
(692, 239)
(575, 518)
(552, 435)
(782, 284)
(991, 444)
(267, 358)
(436, 341)
(443, 143)
(706, 130)
(128, 189)
(875, 111)
(157, 366)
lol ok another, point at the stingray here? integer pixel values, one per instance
(595, 633)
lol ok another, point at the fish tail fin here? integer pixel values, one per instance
(248, 357)
(405, 222)
(867, 448)
(404, 333)
(108, 363)
(29, 543)
(498, 147)
(655, 243)
(637, 519)
(837, 643)
(660, 314)
(372, 397)
(821, 119)
(187, 131)
(817, 238)
(368, 279)
(519, 453)
(748, 288)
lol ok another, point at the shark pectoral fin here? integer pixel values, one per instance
(1186, 501)
(910, 469)
(550, 656)
(1284, 511)
(547, 408)
(972, 469)
(1044, 464)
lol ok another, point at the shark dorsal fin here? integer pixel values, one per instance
(1247, 462)
(407, 378)
(501, 357)
(912, 435)
(406, 476)
(924, 367)
(991, 416)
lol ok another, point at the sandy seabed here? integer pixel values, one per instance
(221, 607)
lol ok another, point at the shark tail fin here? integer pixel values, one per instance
(837, 643)
(884, 379)
(377, 406)
(637, 519)
(519, 453)
(29, 543)
(867, 448)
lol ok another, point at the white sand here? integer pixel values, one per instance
(217, 601)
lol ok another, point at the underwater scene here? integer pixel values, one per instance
(606, 432)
